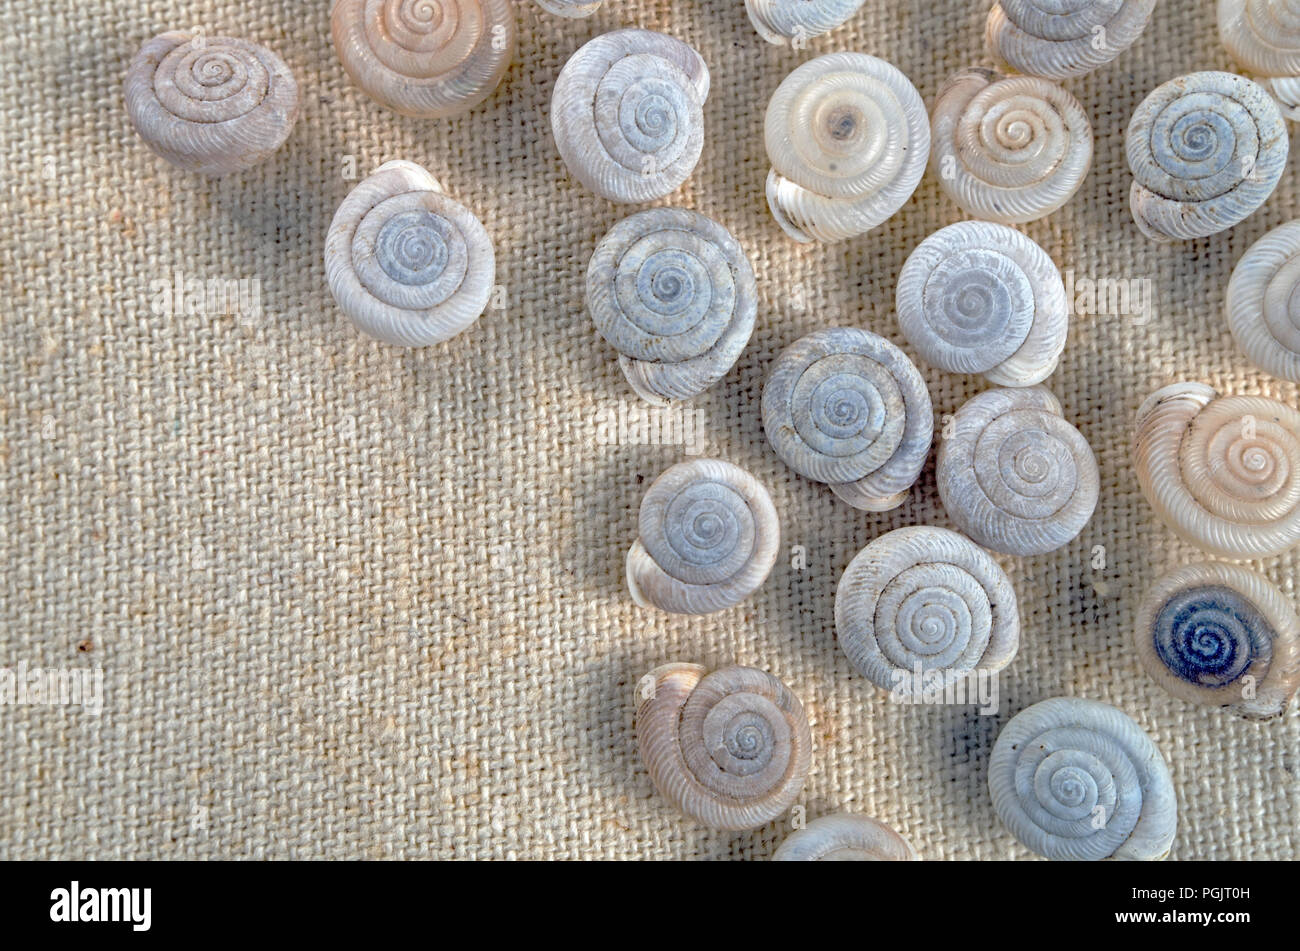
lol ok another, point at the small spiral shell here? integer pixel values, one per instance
(925, 598)
(785, 23)
(847, 137)
(407, 264)
(573, 9)
(708, 538)
(1263, 36)
(628, 114)
(1263, 302)
(731, 748)
(1057, 40)
(212, 105)
(1079, 780)
(674, 293)
(846, 407)
(428, 59)
(1206, 150)
(978, 297)
(1222, 471)
(1221, 636)
(845, 838)
(1014, 475)
(1008, 148)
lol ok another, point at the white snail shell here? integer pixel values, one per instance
(925, 598)
(1263, 36)
(1222, 636)
(1080, 780)
(847, 137)
(214, 104)
(407, 264)
(573, 9)
(844, 837)
(1222, 471)
(673, 292)
(846, 407)
(1008, 148)
(628, 114)
(731, 748)
(1014, 475)
(978, 297)
(1263, 302)
(1057, 41)
(707, 539)
(780, 21)
(1206, 150)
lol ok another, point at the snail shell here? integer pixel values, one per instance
(628, 114)
(1014, 475)
(1064, 766)
(780, 21)
(928, 598)
(977, 297)
(674, 293)
(1206, 150)
(1263, 36)
(1221, 636)
(845, 838)
(1008, 148)
(1057, 41)
(846, 407)
(847, 137)
(572, 9)
(1263, 302)
(407, 264)
(214, 104)
(708, 538)
(1222, 471)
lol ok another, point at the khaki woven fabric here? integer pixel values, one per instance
(355, 601)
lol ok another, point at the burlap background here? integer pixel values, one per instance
(357, 601)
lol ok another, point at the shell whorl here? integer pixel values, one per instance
(844, 837)
(781, 22)
(628, 114)
(731, 748)
(927, 598)
(1221, 635)
(1263, 37)
(212, 105)
(428, 59)
(978, 297)
(1080, 780)
(1057, 41)
(707, 539)
(573, 9)
(1014, 475)
(673, 292)
(1222, 471)
(1206, 150)
(1263, 302)
(407, 264)
(847, 137)
(1008, 148)
(846, 407)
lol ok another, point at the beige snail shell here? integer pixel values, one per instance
(1058, 41)
(731, 748)
(782, 22)
(845, 837)
(212, 105)
(573, 9)
(1263, 36)
(1263, 302)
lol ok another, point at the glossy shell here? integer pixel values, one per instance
(1263, 36)
(845, 838)
(573, 9)
(1060, 40)
(782, 22)
(1263, 302)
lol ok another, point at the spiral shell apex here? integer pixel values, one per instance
(212, 105)
(925, 600)
(847, 137)
(731, 748)
(1057, 41)
(1263, 36)
(708, 538)
(1014, 475)
(781, 22)
(572, 9)
(407, 264)
(977, 297)
(1221, 636)
(1263, 302)
(628, 114)
(1206, 150)
(1222, 471)
(846, 407)
(845, 838)
(1008, 148)
(674, 293)
(1079, 780)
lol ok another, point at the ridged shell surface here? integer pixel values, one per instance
(783, 22)
(1263, 302)
(573, 9)
(845, 838)
(1060, 39)
(1263, 37)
